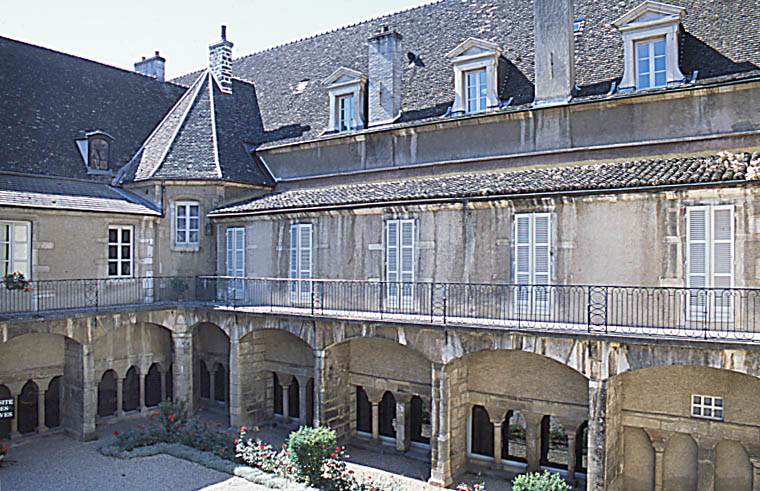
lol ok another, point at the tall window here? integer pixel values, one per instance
(300, 261)
(15, 248)
(532, 232)
(188, 223)
(709, 258)
(475, 89)
(236, 261)
(346, 113)
(651, 63)
(399, 258)
(120, 244)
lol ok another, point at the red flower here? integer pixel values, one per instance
(350, 472)
(261, 447)
(236, 441)
(172, 418)
(178, 425)
(333, 455)
(242, 429)
(222, 450)
(115, 433)
(192, 432)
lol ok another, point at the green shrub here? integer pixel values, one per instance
(310, 448)
(536, 481)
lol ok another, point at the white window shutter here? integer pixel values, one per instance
(697, 247)
(723, 247)
(542, 232)
(407, 257)
(392, 259)
(294, 251)
(305, 265)
(230, 251)
(522, 266)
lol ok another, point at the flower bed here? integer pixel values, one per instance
(172, 431)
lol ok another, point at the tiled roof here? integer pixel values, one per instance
(47, 98)
(202, 138)
(720, 168)
(720, 38)
(69, 194)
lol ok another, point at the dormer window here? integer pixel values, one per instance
(346, 89)
(95, 149)
(346, 112)
(651, 63)
(476, 88)
(476, 76)
(650, 42)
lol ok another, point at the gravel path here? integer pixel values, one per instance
(58, 462)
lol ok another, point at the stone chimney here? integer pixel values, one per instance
(385, 66)
(220, 61)
(554, 51)
(152, 67)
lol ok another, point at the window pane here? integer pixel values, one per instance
(719, 402)
(659, 64)
(4, 232)
(659, 48)
(697, 400)
(113, 252)
(194, 211)
(194, 224)
(697, 411)
(125, 234)
(181, 223)
(125, 269)
(660, 79)
(19, 233)
(113, 235)
(719, 413)
(5, 250)
(112, 269)
(193, 237)
(643, 50)
(180, 236)
(125, 252)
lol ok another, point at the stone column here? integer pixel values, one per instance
(212, 383)
(755, 459)
(41, 427)
(235, 398)
(163, 373)
(375, 396)
(302, 383)
(14, 421)
(659, 463)
(141, 405)
(119, 397)
(183, 367)
(79, 403)
(597, 407)
(496, 415)
(286, 382)
(533, 440)
(402, 422)
(705, 463)
(571, 456)
(440, 440)
(319, 387)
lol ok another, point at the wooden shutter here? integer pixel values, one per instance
(293, 257)
(406, 257)
(304, 257)
(236, 260)
(722, 258)
(697, 259)
(522, 260)
(542, 232)
(392, 259)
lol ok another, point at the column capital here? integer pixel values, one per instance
(659, 439)
(401, 397)
(285, 379)
(532, 418)
(374, 394)
(496, 414)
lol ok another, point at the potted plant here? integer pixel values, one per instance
(16, 281)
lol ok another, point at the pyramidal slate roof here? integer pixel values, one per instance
(720, 38)
(202, 138)
(48, 97)
(722, 168)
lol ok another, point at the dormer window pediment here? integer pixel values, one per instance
(346, 89)
(476, 76)
(650, 41)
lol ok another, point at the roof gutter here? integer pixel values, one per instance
(493, 197)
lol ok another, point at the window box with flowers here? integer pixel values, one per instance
(16, 281)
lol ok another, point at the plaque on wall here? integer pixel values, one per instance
(6, 408)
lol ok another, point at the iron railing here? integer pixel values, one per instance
(707, 313)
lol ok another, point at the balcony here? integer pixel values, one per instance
(696, 313)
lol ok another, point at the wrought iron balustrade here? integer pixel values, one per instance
(705, 313)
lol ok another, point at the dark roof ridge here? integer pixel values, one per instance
(329, 31)
(104, 65)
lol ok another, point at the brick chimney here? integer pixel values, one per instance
(385, 66)
(220, 61)
(554, 51)
(152, 67)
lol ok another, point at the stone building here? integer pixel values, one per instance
(491, 234)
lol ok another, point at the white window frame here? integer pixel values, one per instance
(478, 103)
(535, 301)
(301, 248)
(346, 115)
(705, 307)
(179, 206)
(235, 249)
(651, 57)
(13, 262)
(647, 21)
(700, 404)
(473, 55)
(119, 244)
(341, 83)
(399, 280)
